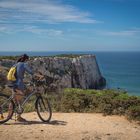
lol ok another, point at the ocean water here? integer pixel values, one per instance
(120, 69)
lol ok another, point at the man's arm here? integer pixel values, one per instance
(27, 68)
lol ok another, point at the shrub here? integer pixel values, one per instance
(133, 113)
(108, 102)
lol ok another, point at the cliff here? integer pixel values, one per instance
(66, 72)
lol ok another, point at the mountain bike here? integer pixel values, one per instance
(8, 105)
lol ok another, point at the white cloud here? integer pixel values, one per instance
(37, 30)
(7, 29)
(42, 11)
(124, 33)
(2, 29)
(11, 29)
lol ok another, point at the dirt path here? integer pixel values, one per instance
(71, 126)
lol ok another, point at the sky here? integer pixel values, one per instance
(69, 25)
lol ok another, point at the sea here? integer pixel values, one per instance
(120, 69)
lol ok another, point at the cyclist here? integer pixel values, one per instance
(18, 85)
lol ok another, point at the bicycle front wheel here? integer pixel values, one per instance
(43, 109)
(6, 108)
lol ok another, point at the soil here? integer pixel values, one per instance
(71, 126)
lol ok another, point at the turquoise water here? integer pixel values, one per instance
(121, 69)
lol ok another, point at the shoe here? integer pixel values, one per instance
(20, 119)
(1, 117)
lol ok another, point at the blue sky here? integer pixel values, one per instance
(69, 25)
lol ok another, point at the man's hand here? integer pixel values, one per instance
(38, 76)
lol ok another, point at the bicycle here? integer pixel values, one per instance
(8, 105)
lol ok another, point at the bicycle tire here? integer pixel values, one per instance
(43, 107)
(3, 101)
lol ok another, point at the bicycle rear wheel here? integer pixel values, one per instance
(43, 109)
(6, 108)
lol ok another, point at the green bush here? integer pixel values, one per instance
(9, 57)
(108, 102)
(133, 113)
(75, 102)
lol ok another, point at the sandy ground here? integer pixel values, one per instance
(71, 126)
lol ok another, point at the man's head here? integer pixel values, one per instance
(23, 58)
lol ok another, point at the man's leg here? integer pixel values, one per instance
(19, 97)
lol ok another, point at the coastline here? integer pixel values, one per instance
(120, 72)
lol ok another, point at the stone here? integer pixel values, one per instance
(67, 72)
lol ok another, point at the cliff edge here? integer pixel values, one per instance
(81, 71)
(78, 72)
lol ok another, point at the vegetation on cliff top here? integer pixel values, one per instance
(70, 55)
(108, 102)
(9, 57)
(32, 57)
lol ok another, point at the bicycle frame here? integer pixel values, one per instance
(26, 97)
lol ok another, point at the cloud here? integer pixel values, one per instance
(132, 32)
(2, 29)
(7, 29)
(11, 29)
(41, 11)
(37, 30)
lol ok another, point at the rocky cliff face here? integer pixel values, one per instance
(63, 72)
(78, 72)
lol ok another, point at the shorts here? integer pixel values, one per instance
(18, 84)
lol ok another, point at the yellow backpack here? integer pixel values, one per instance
(11, 76)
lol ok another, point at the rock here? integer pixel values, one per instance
(79, 72)
(86, 73)
(65, 72)
(3, 79)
